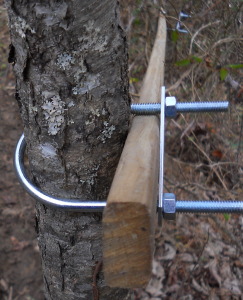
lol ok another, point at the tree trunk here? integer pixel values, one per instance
(70, 61)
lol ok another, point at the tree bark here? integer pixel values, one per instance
(70, 61)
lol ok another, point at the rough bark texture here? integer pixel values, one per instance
(70, 61)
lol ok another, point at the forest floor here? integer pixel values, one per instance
(197, 256)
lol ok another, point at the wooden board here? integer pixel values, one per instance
(130, 215)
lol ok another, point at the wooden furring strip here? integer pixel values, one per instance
(129, 218)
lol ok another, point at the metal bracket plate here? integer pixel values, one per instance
(161, 154)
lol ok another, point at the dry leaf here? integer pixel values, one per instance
(170, 252)
(212, 267)
(233, 286)
(198, 287)
(186, 257)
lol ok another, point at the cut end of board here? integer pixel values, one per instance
(127, 235)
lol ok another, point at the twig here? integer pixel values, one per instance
(193, 165)
(188, 184)
(210, 8)
(179, 81)
(129, 25)
(198, 31)
(188, 129)
(205, 154)
(97, 269)
(146, 44)
(209, 160)
(128, 28)
(134, 95)
(180, 186)
(201, 253)
(225, 163)
(226, 40)
(187, 72)
(240, 139)
(173, 6)
(10, 295)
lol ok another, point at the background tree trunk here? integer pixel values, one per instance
(70, 61)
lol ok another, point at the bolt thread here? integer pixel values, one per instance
(209, 206)
(145, 108)
(182, 107)
(216, 106)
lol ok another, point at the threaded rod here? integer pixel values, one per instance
(216, 106)
(145, 108)
(154, 108)
(209, 206)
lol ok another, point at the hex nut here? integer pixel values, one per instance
(170, 107)
(169, 206)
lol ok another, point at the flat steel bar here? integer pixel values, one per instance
(161, 160)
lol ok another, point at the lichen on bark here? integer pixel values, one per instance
(72, 89)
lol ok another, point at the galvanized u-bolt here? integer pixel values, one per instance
(170, 204)
(35, 192)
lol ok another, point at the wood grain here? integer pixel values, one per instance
(130, 215)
